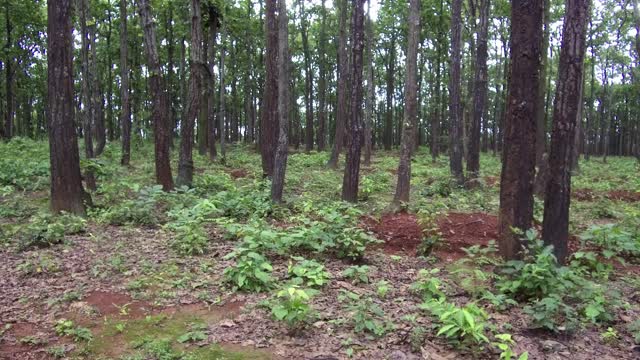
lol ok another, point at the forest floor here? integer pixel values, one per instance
(135, 280)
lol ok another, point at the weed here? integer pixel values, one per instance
(307, 272)
(357, 274)
(252, 273)
(292, 306)
(428, 286)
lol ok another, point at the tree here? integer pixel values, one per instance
(269, 118)
(67, 193)
(87, 106)
(455, 108)
(125, 114)
(343, 78)
(280, 162)
(7, 130)
(221, 113)
(567, 102)
(410, 106)
(159, 99)
(352, 168)
(308, 89)
(370, 99)
(198, 71)
(322, 81)
(518, 155)
(213, 32)
(479, 93)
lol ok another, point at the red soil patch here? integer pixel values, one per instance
(400, 232)
(583, 194)
(461, 230)
(624, 195)
(491, 180)
(12, 348)
(238, 173)
(113, 304)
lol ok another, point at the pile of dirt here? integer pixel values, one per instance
(114, 304)
(238, 173)
(624, 195)
(491, 180)
(461, 230)
(400, 232)
(583, 194)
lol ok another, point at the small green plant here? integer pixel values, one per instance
(610, 336)
(428, 286)
(292, 306)
(66, 327)
(482, 255)
(504, 343)
(463, 326)
(45, 230)
(57, 352)
(36, 264)
(357, 274)
(252, 273)
(382, 288)
(366, 315)
(472, 280)
(307, 272)
(196, 333)
(634, 329)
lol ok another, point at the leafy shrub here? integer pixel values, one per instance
(46, 229)
(366, 315)
(292, 306)
(357, 274)
(504, 343)
(187, 225)
(308, 272)
(66, 327)
(613, 239)
(463, 326)
(140, 211)
(252, 273)
(428, 286)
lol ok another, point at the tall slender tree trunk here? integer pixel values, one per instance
(221, 114)
(308, 89)
(455, 109)
(7, 132)
(211, 92)
(342, 112)
(203, 117)
(97, 106)
(388, 125)
(269, 120)
(555, 230)
(541, 137)
(111, 125)
(479, 92)
(322, 81)
(352, 169)
(125, 115)
(87, 103)
(198, 70)
(67, 193)
(280, 162)
(591, 116)
(403, 186)
(160, 99)
(518, 155)
(605, 118)
(370, 99)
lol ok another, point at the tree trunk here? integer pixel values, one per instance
(370, 99)
(111, 125)
(221, 114)
(578, 137)
(269, 120)
(125, 115)
(87, 103)
(211, 92)
(518, 160)
(591, 116)
(97, 105)
(160, 99)
(342, 112)
(280, 163)
(566, 107)
(605, 118)
(541, 137)
(67, 193)
(403, 186)
(198, 71)
(388, 125)
(322, 82)
(203, 116)
(455, 109)
(479, 93)
(352, 168)
(7, 132)
(308, 88)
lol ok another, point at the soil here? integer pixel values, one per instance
(491, 180)
(624, 195)
(109, 303)
(461, 230)
(583, 194)
(619, 195)
(400, 232)
(238, 173)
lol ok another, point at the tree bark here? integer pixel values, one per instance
(97, 106)
(221, 97)
(7, 132)
(125, 115)
(370, 99)
(87, 98)
(203, 116)
(455, 109)
(479, 93)
(213, 33)
(160, 99)
(198, 70)
(388, 125)
(403, 186)
(518, 160)
(352, 169)
(308, 88)
(67, 193)
(342, 94)
(322, 81)
(269, 119)
(555, 230)
(280, 162)
(541, 137)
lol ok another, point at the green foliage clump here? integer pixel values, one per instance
(613, 239)
(187, 225)
(46, 229)
(292, 306)
(24, 164)
(308, 272)
(139, 211)
(66, 327)
(463, 326)
(357, 274)
(366, 314)
(428, 286)
(251, 273)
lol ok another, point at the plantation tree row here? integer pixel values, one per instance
(540, 82)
